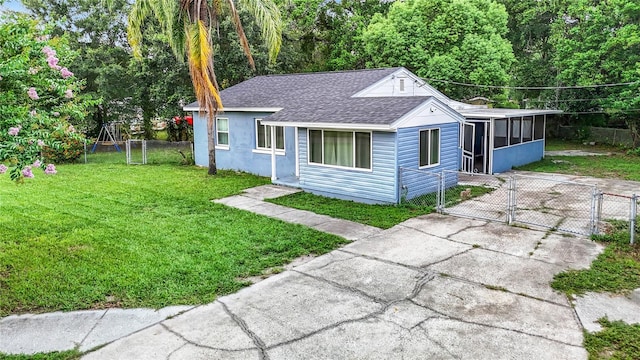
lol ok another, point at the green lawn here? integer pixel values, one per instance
(62, 355)
(103, 235)
(617, 340)
(617, 165)
(382, 216)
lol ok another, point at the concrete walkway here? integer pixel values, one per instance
(432, 287)
(252, 200)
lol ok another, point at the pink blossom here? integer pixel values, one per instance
(37, 163)
(53, 63)
(3, 168)
(68, 94)
(50, 169)
(55, 113)
(42, 38)
(26, 172)
(41, 143)
(13, 131)
(33, 94)
(65, 73)
(33, 71)
(48, 51)
(71, 129)
(33, 112)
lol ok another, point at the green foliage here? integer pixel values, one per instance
(382, 216)
(616, 340)
(616, 269)
(70, 149)
(459, 41)
(104, 235)
(57, 355)
(40, 99)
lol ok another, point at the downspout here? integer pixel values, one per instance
(273, 153)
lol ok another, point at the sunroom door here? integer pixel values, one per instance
(468, 144)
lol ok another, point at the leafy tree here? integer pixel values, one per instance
(40, 99)
(188, 26)
(459, 41)
(598, 42)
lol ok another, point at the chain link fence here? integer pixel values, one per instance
(476, 195)
(537, 200)
(554, 204)
(140, 152)
(617, 213)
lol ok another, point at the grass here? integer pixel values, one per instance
(62, 355)
(617, 340)
(617, 165)
(558, 144)
(105, 235)
(617, 269)
(381, 216)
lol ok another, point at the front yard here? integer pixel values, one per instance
(109, 235)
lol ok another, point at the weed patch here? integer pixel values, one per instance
(617, 340)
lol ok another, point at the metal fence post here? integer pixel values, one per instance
(596, 209)
(441, 188)
(632, 217)
(511, 200)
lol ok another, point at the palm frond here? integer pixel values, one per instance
(139, 13)
(244, 43)
(267, 16)
(199, 53)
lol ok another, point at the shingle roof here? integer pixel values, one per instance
(320, 97)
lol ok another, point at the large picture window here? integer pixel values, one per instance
(263, 136)
(351, 149)
(222, 132)
(429, 147)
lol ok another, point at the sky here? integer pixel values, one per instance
(14, 5)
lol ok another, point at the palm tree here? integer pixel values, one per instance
(188, 26)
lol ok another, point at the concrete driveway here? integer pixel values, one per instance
(433, 287)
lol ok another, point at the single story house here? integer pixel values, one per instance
(347, 134)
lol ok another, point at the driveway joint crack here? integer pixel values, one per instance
(260, 345)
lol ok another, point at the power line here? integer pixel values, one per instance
(572, 100)
(532, 87)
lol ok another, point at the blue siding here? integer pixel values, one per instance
(242, 142)
(200, 146)
(376, 186)
(416, 183)
(516, 155)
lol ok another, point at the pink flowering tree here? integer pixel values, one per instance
(39, 102)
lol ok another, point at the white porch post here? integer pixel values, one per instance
(295, 130)
(273, 153)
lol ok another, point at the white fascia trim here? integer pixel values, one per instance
(315, 125)
(430, 102)
(524, 112)
(237, 109)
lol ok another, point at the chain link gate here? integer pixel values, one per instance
(617, 212)
(511, 198)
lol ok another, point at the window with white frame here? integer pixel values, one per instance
(351, 149)
(500, 133)
(516, 134)
(527, 128)
(429, 147)
(222, 132)
(263, 136)
(538, 127)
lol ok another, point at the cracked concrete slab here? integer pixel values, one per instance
(477, 304)
(499, 237)
(592, 306)
(516, 274)
(220, 331)
(192, 352)
(57, 331)
(152, 343)
(407, 314)
(473, 341)
(270, 210)
(366, 339)
(116, 323)
(441, 225)
(568, 251)
(304, 217)
(280, 309)
(407, 246)
(238, 201)
(377, 279)
(347, 229)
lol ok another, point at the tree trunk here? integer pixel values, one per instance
(212, 145)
